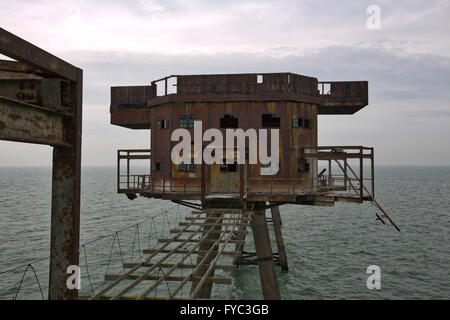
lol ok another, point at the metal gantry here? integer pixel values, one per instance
(41, 102)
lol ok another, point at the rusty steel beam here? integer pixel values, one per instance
(50, 93)
(23, 122)
(14, 66)
(65, 227)
(22, 68)
(23, 51)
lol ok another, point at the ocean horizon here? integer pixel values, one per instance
(328, 249)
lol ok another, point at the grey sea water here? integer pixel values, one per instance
(329, 249)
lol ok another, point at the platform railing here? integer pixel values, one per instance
(273, 185)
(160, 184)
(132, 182)
(337, 178)
(346, 181)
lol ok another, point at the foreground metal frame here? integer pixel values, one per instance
(56, 124)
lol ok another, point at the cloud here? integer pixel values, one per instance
(393, 77)
(212, 27)
(407, 62)
(408, 96)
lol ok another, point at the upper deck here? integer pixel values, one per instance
(131, 105)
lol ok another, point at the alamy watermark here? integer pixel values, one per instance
(374, 280)
(234, 153)
(374, 20)
(74, 280)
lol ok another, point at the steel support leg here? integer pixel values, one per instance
(266, 265)
(65, 219)
(279, 237)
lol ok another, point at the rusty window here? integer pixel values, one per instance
(297, 123)
(162, 124)
(186, 122)
(303, 166)
(228, 121)
(224, 167)
(269, 121)
(333, 88)
(182, 167)
(301, 123)
(307, 124)
(160, 166)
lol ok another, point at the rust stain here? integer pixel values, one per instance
(14, 117)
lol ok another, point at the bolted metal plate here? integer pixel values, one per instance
(26, 123)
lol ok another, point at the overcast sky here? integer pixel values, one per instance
(407, 62)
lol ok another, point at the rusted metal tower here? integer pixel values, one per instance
(41, 102)
(288, 102)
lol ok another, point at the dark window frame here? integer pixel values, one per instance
(160, 166)
(301, 123)
(225, 167)
(229, 121)
(303, 166)
(187, 167)
(162, 124)
(307, 124)
(186, 122)
(270, 121)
